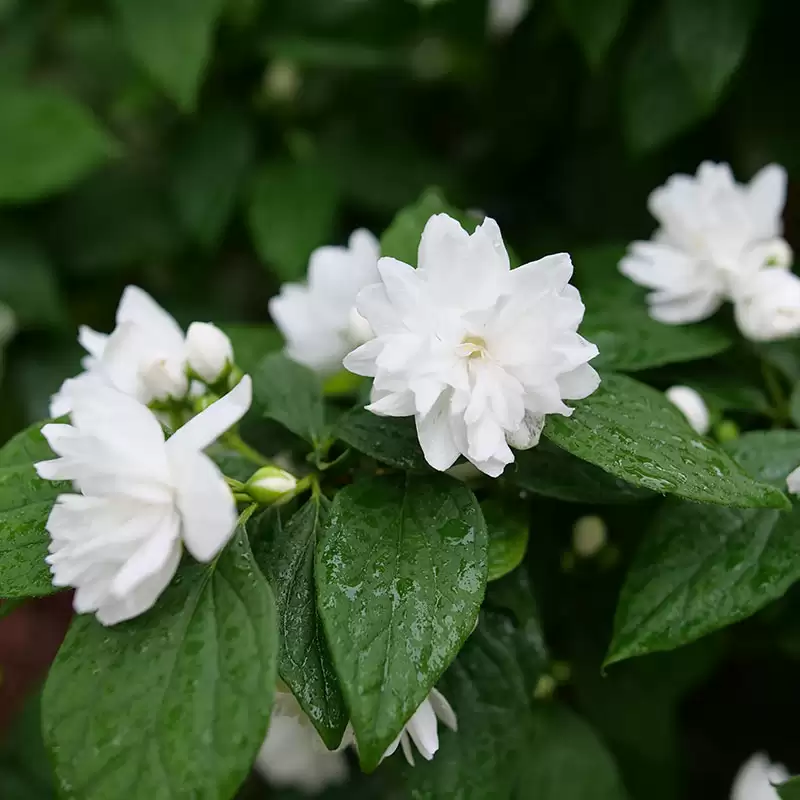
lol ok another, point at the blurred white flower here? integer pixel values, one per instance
(504, 15)
(715, 236)
(756, 779)
(477, 352)
(293, 755)
(119, 541)
(691, 404)
(209, 351)
(768, 308)
(144, 357)
(589, 535)
(317, 318)
(422, 728)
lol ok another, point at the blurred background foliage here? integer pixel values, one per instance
(203, 148)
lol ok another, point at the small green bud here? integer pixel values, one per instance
(545, 687)
(589, 536)
(270, 484)
(726, 431)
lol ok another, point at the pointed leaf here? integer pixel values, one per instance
(391, 440)
(595, 24)
(507, 526)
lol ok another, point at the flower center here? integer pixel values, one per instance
(472, 347)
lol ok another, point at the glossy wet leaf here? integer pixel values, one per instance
(401, 573)
(507, 526)
(174, 703)
(172, 40)
(25, 503)
(710, 41)
(552, 472)
(391, 440)
(700, 567)
(48, 141)
(291, 394)
(594, 23)
(633, 432)
(291, 211)
(285, 549)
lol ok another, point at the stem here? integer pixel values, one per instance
(237, 486)
(235, 442)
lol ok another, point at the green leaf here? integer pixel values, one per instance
(172, 40)
(790, 790)
(490, 686)
(700, 568)
(633, 432)
(401, 239)
(286, 553)
(552, 472)
(291, 395)
(292, 210)
(710, 40)
(27, 283)
(25, 503)
(391, 440)
(794, 405)
(47, 142)
(567, 761)
(618, 322)
(400, 574)
(595, 24)
(251, 343)
(658, 102)
(208, 172)
(174, 703)
(507, 525)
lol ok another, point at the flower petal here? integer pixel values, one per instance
(436, 437)
(137, 307)
(423, 729)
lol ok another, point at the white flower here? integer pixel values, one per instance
(317, 319)
(477, 352)
(119, 541)
(422, 728)
(144, 357)
(505, 15)
(293, 755)
(691, 404)
(714, 237)
(756, 779)
(768, 308)
(209, 351)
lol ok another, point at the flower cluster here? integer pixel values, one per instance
(720, 240)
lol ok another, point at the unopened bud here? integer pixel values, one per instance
(589, 536)
(209, 351)
(545, 687)
(270, 484)
(726, 431)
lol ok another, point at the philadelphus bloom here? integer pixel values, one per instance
(477, 352)
(691, 404)
(719, 240)
(504, 15)
(293, 755)
(422, 728)
(757, 778)
(141, 498)
(318, 319)
(146, 354)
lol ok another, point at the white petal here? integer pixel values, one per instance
(361, 361)
(203, 430)
(767, 196)
(443, 709)
(770, 309)
(408, 750)
(436, 437)
(692, 406)
(401, 282)
(93, 342)
(423, 729)
(793, 481)
(393, 404)
(682, 310)
(579, 382)
(205, 503)
(755, 779)
(548, 274)
(529, 432)
(137, 307)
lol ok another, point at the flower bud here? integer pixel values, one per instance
(768, 307)
(209, 351)
(692, 406)
(589, 536)
(270, 484)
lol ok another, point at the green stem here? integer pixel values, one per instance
(235, 442)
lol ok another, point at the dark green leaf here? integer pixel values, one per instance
(400, 578)
(291, 212)
(700, 567)
(208, 173)
(635, 433)
(794, 405)
(550, 471)
(790, 790)
(391, 440)
(47, 142)
(25, 503)
(286, 553)
(172, 40)
(251, 343)
(292, 395)
(174, 703)
(658, 102)
(710, 41)
(594, 23)
(507, 525)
